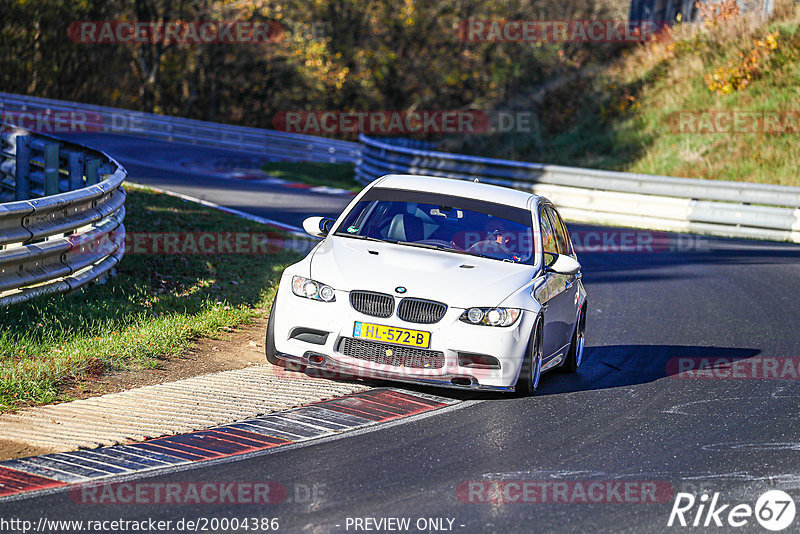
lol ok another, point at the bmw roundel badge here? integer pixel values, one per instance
(400, 289)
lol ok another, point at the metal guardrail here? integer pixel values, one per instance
(278, 145)
(61, 220)
(722, 208)
(728, 209)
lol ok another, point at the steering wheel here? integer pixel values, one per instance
(490, 247)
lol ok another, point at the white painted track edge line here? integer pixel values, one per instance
(255, 218)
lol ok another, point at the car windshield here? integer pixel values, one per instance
(444, 222)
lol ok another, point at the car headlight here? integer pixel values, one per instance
(311, 289)
(491, 316)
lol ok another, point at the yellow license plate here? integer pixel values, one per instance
(392, 334)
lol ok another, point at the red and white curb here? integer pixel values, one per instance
(257, 178)
(314, 421)
(169, 408)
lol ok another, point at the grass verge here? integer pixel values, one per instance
(627, 117)
(339, 175)
(630, 120)
(153, 308)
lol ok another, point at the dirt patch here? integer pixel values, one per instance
(234, 349)
(15, 449)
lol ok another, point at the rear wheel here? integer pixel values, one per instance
(531, 371)
(575, 354)
(269, 344)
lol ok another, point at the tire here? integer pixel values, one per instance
(575, 354)
(531, 372)
(269, 345)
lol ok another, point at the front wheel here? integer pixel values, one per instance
(269, 344)
(531, 371)
(575, 354)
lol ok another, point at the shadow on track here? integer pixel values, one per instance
(603, 368)
(614, 366)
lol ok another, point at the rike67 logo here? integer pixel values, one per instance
(774, 510)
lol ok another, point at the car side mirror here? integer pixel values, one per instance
(562, 264)
(318, 226)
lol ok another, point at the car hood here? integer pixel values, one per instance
(458, 280)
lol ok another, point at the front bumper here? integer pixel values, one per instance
(449, 336)
(334, 368)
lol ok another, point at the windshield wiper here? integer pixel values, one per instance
(455, 250)
(364, 237)
(430, 246)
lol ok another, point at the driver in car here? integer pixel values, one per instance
(498, 242)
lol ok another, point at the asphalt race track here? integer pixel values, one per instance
(204, 172)
(625, 417)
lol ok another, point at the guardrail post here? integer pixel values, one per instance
(50, 169)
(22, 180)
(67, 240)
(106, 170)
(75, 171)
(92, 172)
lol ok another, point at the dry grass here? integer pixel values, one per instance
(624, 117)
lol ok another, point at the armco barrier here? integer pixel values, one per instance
(728, 209)
(61, 216)
(274, 144)
(723, 208)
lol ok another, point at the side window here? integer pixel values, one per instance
(548, 236)
(562, 236)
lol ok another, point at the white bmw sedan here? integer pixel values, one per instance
(438, 281)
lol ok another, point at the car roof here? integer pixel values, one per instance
(453, 186)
